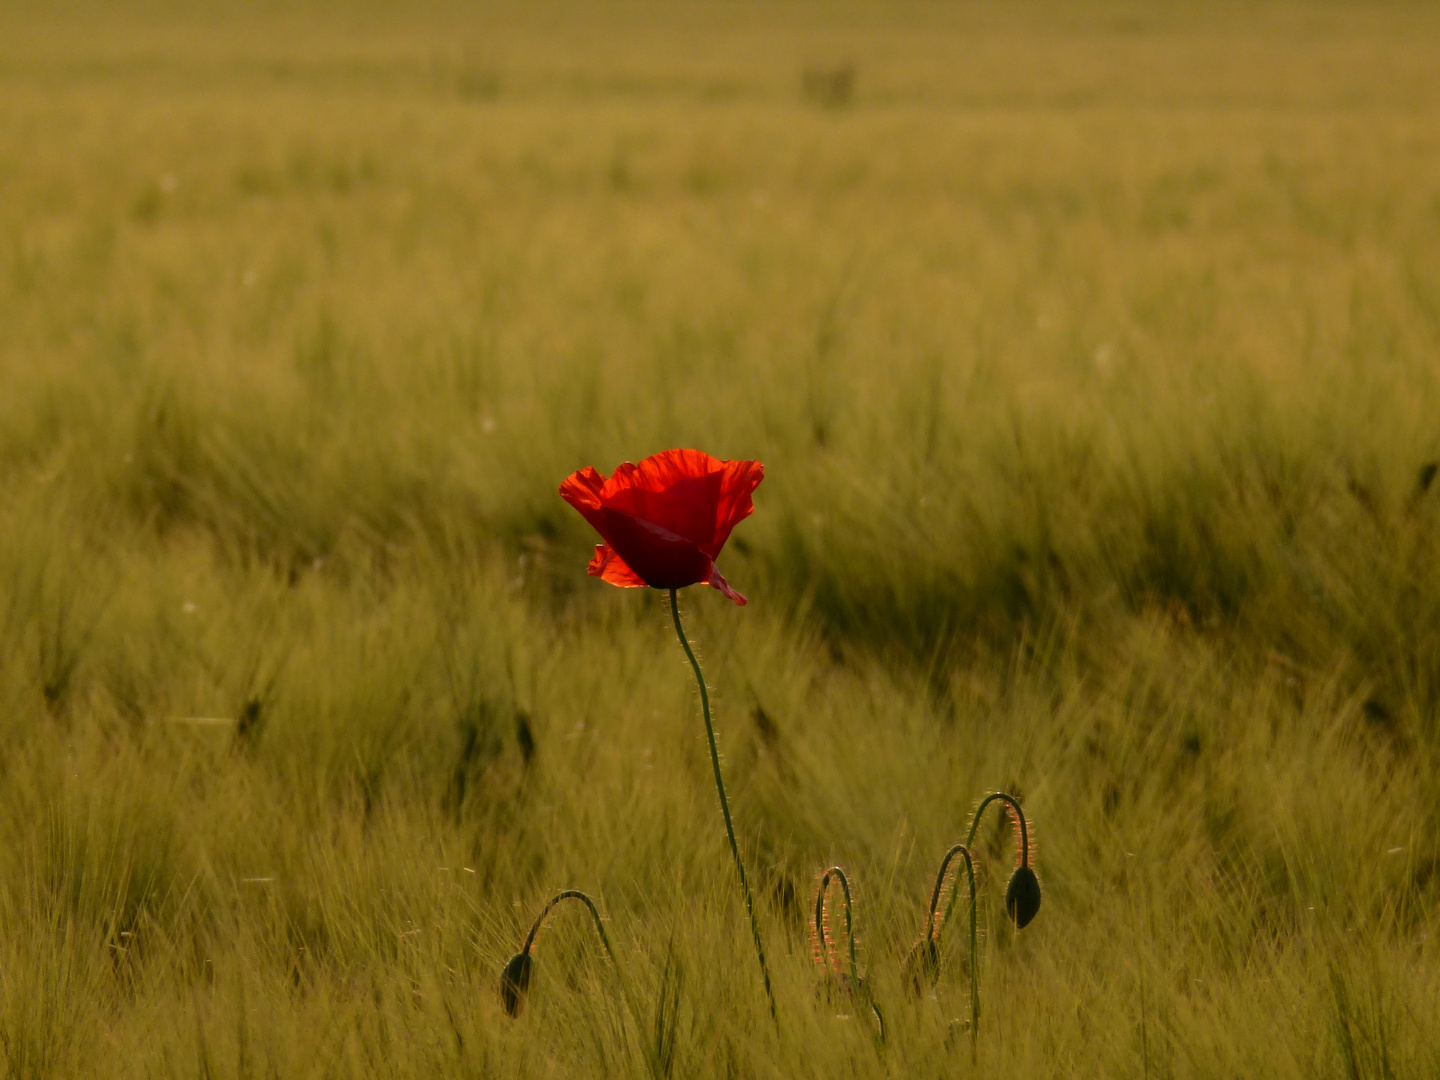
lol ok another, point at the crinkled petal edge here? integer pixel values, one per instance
(610, 567)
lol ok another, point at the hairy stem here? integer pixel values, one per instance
(857, 987)
(994, 796)
(724, 802)
(570, 894)
(1019, 814)
(930, 932)
(515, 980)
(839, 875)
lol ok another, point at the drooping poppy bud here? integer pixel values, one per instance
(514, 982)
(1022, 897)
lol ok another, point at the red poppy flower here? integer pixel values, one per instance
(665, 520)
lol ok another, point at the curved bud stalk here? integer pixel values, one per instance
(1022, 903)
(515, 979)
(929, 946)
(1022, 896)
(849, 983)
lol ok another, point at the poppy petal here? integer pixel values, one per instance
(608, 566)
(686, 492)
(678, 490)
(582, 491)
(665, 520)
(661, 472)
(660, 557)
(737, 482)
(717, 581)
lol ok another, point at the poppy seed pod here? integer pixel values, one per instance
(514, 982)
(1022, 897)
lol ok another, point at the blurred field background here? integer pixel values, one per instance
(1092, 351)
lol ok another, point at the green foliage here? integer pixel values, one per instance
(1091, 353)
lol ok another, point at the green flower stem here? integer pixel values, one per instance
(994, 796)
(571, 894)
(1019, 814)
(856, 986)
(515, 981)
(839, 875)
(724, 802)
(962, 850)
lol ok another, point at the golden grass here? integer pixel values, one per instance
(1091, 349)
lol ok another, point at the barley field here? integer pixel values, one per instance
(1093, 354)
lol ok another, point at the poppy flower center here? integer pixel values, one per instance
(663, 559)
